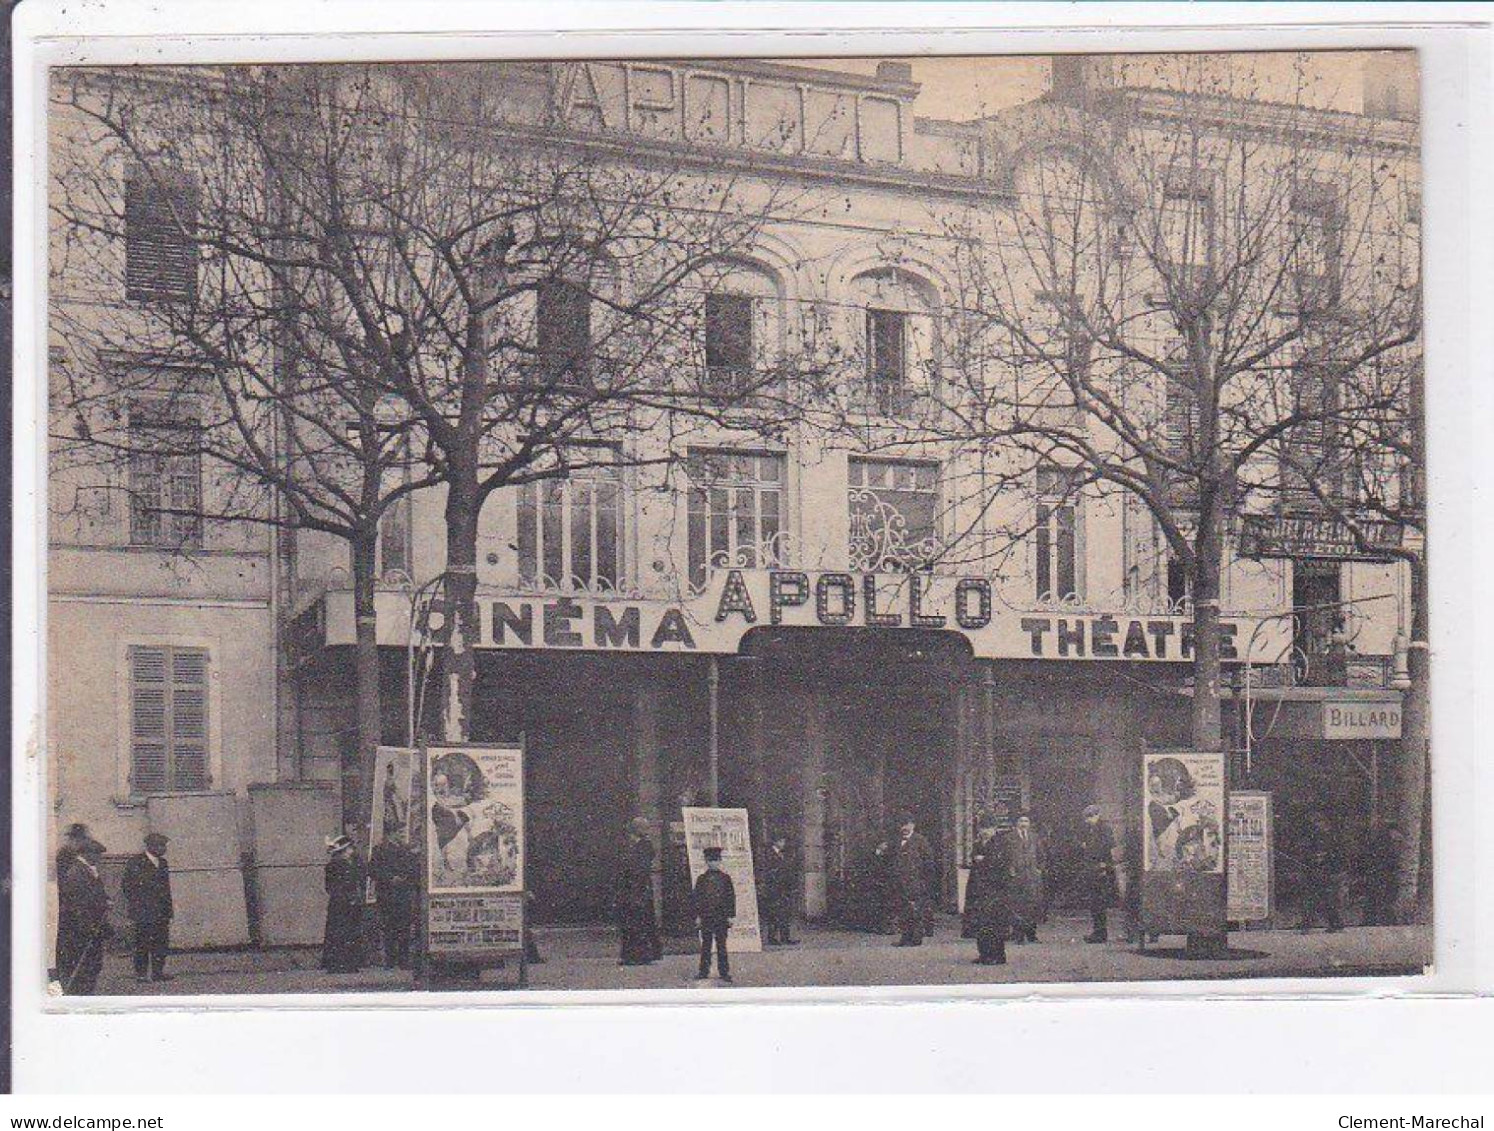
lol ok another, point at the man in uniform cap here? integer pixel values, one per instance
(82, 919)
(714, 901)
(147, 893)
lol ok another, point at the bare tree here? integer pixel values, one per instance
(1174, 305)
(419, 267)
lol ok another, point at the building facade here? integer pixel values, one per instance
(846, 618)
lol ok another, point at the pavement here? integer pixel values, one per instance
(585, 958)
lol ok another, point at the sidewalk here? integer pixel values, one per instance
(586, 959)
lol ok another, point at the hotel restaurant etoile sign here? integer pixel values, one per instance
(737, 601)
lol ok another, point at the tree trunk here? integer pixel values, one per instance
(365, 674)
(460, 633)
(1415, 746)
(1205, 731)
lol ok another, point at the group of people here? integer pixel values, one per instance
(83, 926)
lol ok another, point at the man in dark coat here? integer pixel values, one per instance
(342, 943)
(987, 895)
(1382, 857)
(1097, 858)
(1027, 880)
(147, 893)
(912, 879)
(714, 901)
(396, 877)
(82, 919)
(1322, 868)
(637, 927)
(778, 893)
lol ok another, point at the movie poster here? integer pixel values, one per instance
(393, 791)
(1183, 817)
(728, 830)
(1250, 864)
(476, 826)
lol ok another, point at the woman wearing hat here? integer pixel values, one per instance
(637, 929)
(342, 944)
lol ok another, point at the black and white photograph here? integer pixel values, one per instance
(717, 525)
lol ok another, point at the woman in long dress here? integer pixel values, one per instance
(342, 944)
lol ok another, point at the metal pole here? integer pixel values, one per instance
(713, 770)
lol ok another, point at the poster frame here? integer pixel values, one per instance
(1270, 840)
(478, 959)
(742, 943)
(1177, 901)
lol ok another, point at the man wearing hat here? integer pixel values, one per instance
(147, 893)
(714, 901)
(342, 943)
(912, 877)
(987, 894)
(82, 918)
(778, 893)
(637, 929)
(1097, 855)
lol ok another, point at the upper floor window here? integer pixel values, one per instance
(736, 512)
(887, 361)
(1056, 535)
(894, 515)
(563, 331)
(1313, 231)
(729, 356)
(168, 719)
(1187, 225)
(394, 540)
(898, 341)
(165, 469)
(570, 529)
(160, 218)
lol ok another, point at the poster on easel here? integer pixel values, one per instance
(1251, 851)
(475, 854)
(395, 769)
(1182, 826)
(728, 830)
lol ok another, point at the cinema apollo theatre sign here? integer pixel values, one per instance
(739, 600)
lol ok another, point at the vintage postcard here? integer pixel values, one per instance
(637, 525)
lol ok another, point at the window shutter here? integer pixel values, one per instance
(168, 720)
(160, 251)
(148, 758)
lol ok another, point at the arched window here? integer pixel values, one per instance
(898, 312)
(736, 307)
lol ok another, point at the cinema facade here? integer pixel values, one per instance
(760, 628)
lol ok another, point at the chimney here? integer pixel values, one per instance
(895, 70)
(1074, 77)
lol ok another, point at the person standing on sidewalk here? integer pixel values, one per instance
(778, 893)
(396, 877)
(1097, 857)
(82, 919)
(1381, 875)
(714, 901)
(342, 943)
(1321, 874)
(1027, 880)
(912, 871)
(987, 892)
(147, 893)
(637, 929)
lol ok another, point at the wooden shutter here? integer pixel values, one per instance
(168, 720)
(160, 250)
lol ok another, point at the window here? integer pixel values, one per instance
(563, 314)
(894, 510)
(1319, 636)
(1311, 454)
(165, 477)
(571, 529)
(168, 720)
(728, 343)
(736, 512)
(887, 361)
(1313, 231)
(1179, 584)
(1187, 224)
(394, 540)
(1055, 537)
(160, 251)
